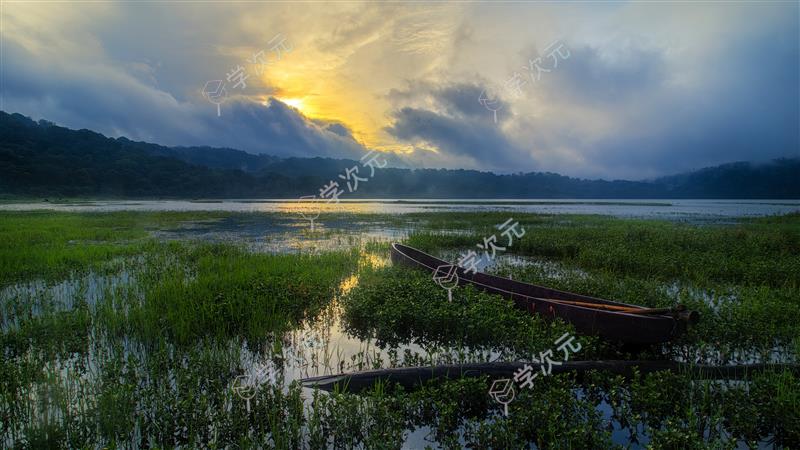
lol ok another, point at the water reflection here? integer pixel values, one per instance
(277, 234)
(693, 210)
(320, 346)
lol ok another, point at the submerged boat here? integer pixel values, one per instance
(614, 321)
(413, 377)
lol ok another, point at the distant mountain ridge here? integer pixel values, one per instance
(42, 159)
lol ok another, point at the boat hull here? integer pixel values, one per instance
(627, 328)
(414, 377)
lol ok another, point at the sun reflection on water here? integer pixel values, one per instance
(374, 260)
(348, 284)
(313, 207)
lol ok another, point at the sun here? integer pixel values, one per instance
(296, 103)
(304, 105)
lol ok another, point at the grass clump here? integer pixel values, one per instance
(752, 252)
(398, 305)
(50, 246)
(225, 291)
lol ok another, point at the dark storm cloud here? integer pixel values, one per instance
(463, 100)
(478, 139)
(451, 119)
(117, 104)
(741, 103)
(589, 76)
(278, 129)
(337, 128)
(749, 110)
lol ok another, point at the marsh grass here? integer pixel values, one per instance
(50, 246)
(229, 292)
(759, 252)
(744, 279)
(397, 305)
(112, 338)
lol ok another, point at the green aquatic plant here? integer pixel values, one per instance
(229, 292)
(114, 335)
(402, 305)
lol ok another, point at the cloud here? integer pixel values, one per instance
(337, 128)
(464, 100)
(739, 103)
(452, 135)
(112, 101)
(454, 127)
(280, 130)
(599, 77)
(648, 89)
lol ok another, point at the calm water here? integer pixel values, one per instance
(661, 209)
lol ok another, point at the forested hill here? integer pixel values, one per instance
(40, 159)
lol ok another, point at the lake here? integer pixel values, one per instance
(689, 210)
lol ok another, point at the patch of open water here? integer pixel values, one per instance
(266, 234)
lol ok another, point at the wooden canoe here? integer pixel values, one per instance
(413, 377)
(620, 322)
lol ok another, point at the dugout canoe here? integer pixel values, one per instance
(614, 321)
(413, 377)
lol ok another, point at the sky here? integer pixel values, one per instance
(614, 90)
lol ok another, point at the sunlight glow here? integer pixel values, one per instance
(296, 103)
